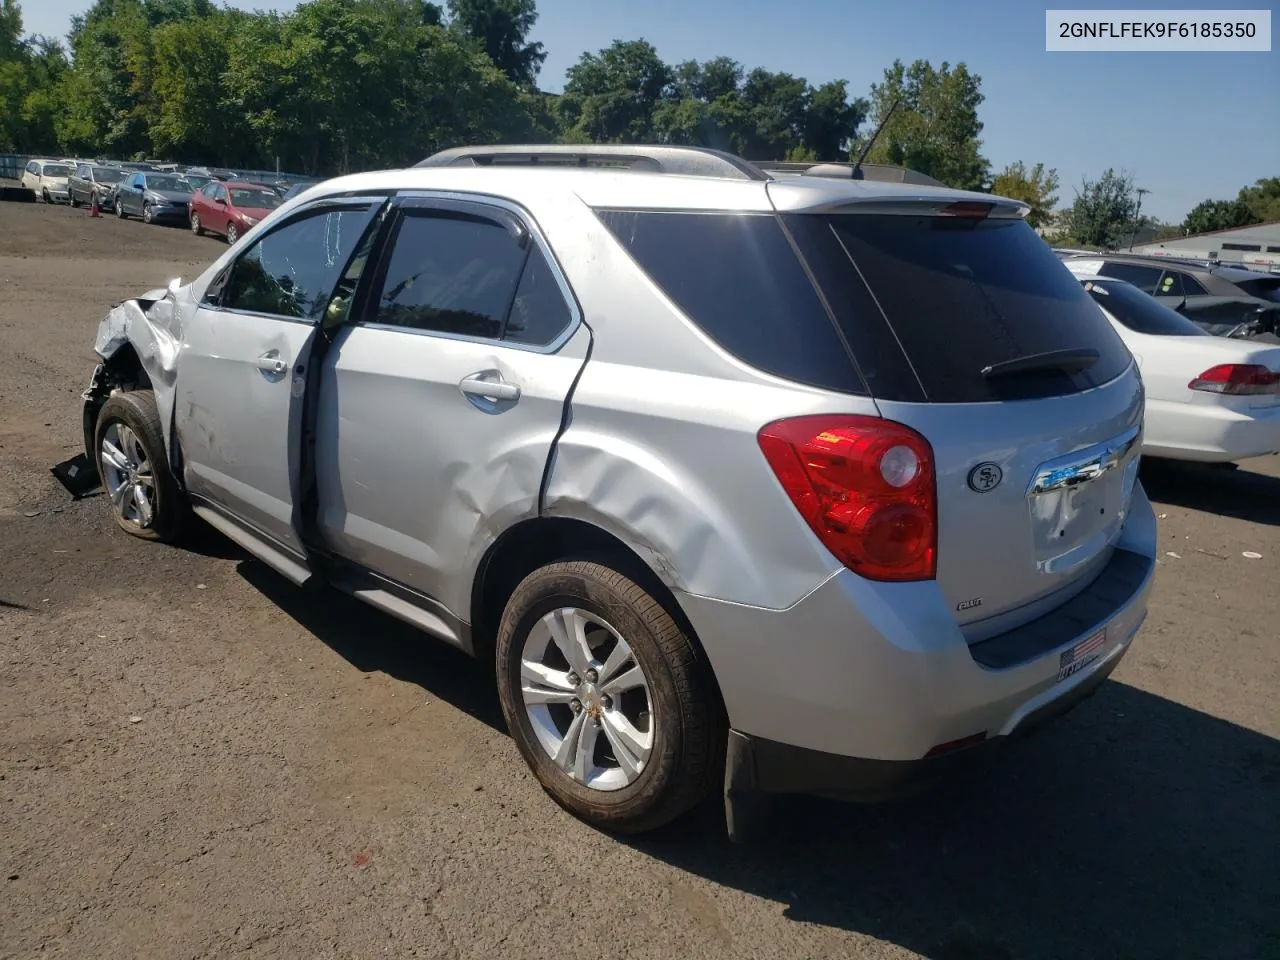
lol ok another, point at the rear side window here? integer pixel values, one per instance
(1139, 312)
(929, 303)
(1144, 278)
(738, 279)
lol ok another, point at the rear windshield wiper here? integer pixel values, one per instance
(1058, 361)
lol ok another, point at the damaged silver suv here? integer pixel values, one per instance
(780, 481)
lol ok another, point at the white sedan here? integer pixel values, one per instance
(1209, 398)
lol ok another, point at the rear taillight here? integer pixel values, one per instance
(1237, 379)
(865, 486)
(968, 208)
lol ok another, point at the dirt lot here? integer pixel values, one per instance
(198, 759)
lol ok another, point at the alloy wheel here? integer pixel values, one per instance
(127, 475)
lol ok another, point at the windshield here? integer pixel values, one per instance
(107, 175)
(57, 170)
(195, 181)
(1265, 288)
(161, 182)
(1139, 312)
(258, 199)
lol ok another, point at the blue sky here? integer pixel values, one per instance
(1189, 126)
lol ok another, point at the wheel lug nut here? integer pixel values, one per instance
(575, 706)
(606, 703)
(574, 680)
(591, 676)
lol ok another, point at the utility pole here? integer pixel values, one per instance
(1137, 217)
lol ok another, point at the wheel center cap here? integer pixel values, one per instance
(591, 700)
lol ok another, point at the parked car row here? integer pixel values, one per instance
(210, 200)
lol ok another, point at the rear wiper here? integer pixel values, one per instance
(1061, 361)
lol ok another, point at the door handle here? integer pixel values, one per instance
(271, 364)
(490, 386)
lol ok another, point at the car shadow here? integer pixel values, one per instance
(1239, 493)
(375, 642)
(1133, 827)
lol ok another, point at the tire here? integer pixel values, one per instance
(684, 724)
(134, 413)
(233, 234)
(195, 225)
(71, 198)
(120, 210)
(45, 196)
(146, 213)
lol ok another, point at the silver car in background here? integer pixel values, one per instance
(774, 484)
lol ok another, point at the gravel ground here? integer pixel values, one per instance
(198, 759)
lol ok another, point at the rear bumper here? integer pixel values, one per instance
(1210, 433)
(766, 766)
(863, 677)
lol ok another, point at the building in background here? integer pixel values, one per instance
(1256, 247)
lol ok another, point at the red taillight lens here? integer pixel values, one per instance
(865, 486)
(1237, 379)
(968, 208)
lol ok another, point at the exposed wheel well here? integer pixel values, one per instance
(122, 371)
(538, 542)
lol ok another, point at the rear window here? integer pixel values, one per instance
(256, 199)
(1265, 288)
(738, 278)
(928, 303)
(57, 170)
(1139, 312)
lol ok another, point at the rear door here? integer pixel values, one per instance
(243, 374)
(968, 329)
(440, 403)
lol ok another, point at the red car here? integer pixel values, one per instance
(230, 208)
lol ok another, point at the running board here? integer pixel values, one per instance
(400, 608)
(284, 565)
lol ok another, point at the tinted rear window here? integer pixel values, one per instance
(929, 302)
(737, 277)
(1139, 312)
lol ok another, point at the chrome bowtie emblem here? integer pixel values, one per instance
(985, 477)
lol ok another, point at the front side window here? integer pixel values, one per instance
(450, 275)
(292, 271)
(1145, 279)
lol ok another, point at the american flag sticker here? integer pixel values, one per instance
(1082, 654)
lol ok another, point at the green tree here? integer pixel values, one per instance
(832, 120)
(935, 128)
(1263, 200)
(31, 70)
(611, 96)
(1036, 187)
(502, 28)
(1105, 210)
(1210, 215)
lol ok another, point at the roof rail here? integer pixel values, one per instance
(883, 172)
(686, 161)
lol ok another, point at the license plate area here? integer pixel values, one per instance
(1078, 503)
(1081, 655)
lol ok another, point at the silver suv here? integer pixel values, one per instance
(780, 482)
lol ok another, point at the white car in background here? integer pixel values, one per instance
(47, 179)
(1209, 398)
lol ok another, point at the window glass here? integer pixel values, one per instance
(1191, 287)
(1144, 278)
(57, 170)
(737, 278)
(958, 296)
(1139, 312)
(292, 271)
(539, 312)
(255, 199)
(450, 275)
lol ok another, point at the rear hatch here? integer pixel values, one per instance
(967, 328)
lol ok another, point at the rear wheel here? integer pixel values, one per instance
(130, 453)
(606, 698)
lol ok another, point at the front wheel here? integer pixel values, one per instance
(233, 234)
(606, 698)
(130, 453)
(146, 213)
(120, 210)
(45, 196)
(71, 198)
(196, 227)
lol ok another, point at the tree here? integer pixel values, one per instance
(935, 128)
(31, 70)
(832, 120)
(1263, 200)
(1105, 210)
(1210, 215)
(502, 28)
(611, 97)
(1036, 188)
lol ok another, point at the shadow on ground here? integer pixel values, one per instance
(372, 641)
(1239, 493)
(1134, 827)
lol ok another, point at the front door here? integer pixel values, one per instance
(243, 372)
(440, 402)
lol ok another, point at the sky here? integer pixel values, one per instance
(1188, 126)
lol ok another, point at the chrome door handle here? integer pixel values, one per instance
(271, 364)
(490, 386)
